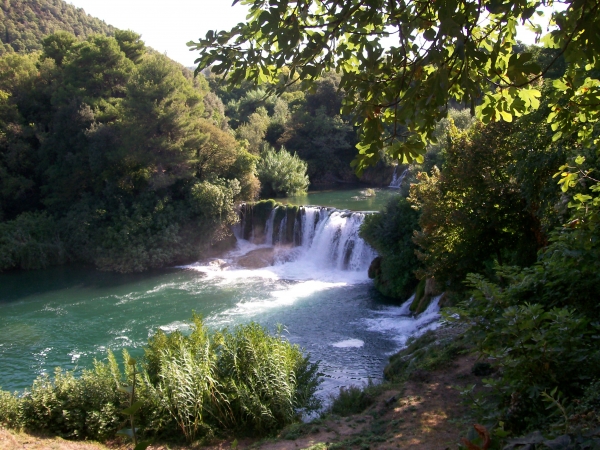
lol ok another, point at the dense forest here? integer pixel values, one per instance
(114, 155)
(110, 155)
(23, 24)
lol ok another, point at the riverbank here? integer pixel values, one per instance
(421, 409)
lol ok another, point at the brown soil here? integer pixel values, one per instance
(420, 415)
(10, 440)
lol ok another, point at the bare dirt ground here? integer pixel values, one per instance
(10, 440)
(420, 415)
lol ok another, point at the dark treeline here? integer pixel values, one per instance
(485, 221)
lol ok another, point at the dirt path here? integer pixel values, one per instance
(10, 440)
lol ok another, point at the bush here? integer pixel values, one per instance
(87, 407)
(281, 173)
(432, 350)
(9, 410)
(31, 241)
(390, 233)
(537, 348)
(241, 379)
(351, 400)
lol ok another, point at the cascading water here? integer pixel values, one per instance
(397, 180)
(323, 239)
(269, 228)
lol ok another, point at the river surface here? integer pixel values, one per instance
(68, 316)
(351, 198)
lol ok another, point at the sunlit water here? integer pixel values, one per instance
(352, 198)
(66, 317)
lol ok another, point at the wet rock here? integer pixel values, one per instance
(375, 267)
(257, 259)
(219, 263)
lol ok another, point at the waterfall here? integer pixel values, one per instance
(397, 180)
(316, 236)
(269, 227)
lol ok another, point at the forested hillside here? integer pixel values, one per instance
(24, 23)
(113, 156)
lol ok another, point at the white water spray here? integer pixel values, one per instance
(397, 180)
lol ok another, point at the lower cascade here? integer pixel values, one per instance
(323, 238)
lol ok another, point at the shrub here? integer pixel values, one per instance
(537, 348)
(281, 173)
(241, 379)
(30, 241)
(351, 400)
(9, 410)
(390, 233)
(432, 350)
(87, 407)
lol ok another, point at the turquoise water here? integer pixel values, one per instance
(352, 198)
(68, 316)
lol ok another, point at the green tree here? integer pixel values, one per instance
(390, 233)
(130, 44)
(442, 51)
(320, 136)
(110, 161)
(24, 23)
(281, 173)
(472, 212)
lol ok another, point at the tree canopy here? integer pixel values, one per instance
(402, 63)
(108, 156)
(24, 23)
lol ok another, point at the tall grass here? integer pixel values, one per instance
(240, 380)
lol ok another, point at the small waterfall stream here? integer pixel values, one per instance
(396, 182)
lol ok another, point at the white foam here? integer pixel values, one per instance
(173, 326)
(330, 250)
(401, 326)
(299, 264)
(349, 343)
(282, 297)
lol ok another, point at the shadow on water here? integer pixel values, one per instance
(19, 284)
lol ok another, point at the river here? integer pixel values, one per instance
(317, 288)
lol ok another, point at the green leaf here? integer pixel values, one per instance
(580, 160)
(142, 445)
(506, 116)
(133, 408)
(429, 34)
